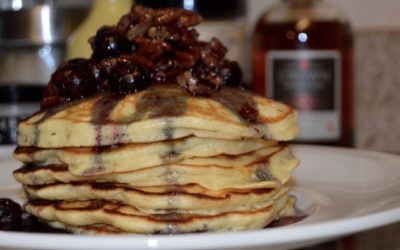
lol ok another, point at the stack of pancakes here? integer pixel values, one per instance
(158, 161)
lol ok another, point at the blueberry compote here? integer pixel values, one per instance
(12, 218)
(147, 46)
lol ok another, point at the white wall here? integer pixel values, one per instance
(364, 14)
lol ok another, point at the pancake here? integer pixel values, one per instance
(130, 219)
(96, 229)
(156, 135)
(274, 167)
(161, 112)
(95, 161)
(184, 198)
(103, 229)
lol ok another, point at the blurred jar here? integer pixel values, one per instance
(102, 12)
(224, 19)
(303, 56)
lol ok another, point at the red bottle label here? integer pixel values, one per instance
(309, 81)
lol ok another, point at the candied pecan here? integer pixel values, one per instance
(137, 30)
(217, 47)
(125, 22)
(189, 18)
(187, 59)
(152, 48)
(167, 75)
(166, 16)
(138, 59)
(158, 32)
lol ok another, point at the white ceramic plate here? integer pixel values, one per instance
(343, 190)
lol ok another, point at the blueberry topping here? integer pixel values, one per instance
(232, 74)
(128, 78)
(108, 42)
(147, 46)
(73, 80)
(10, 215)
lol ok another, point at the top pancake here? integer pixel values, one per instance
(161, 112)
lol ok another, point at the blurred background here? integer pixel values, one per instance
(36, 35)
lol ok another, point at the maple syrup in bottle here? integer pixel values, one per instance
(302, 56)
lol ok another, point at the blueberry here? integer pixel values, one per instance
(231, 73)
(108, 42)
(10, 215)
(74, 80)
(128, 78)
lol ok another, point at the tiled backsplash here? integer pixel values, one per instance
(377, 78)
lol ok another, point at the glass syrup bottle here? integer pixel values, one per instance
(302, 55)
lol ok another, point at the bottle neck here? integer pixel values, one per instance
(301, 2)
(294, 10)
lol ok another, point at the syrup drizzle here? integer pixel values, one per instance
(101, 115)
(156, 103)
(239, 102)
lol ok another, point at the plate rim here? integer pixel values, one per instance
(353, 225)
(252, 238)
